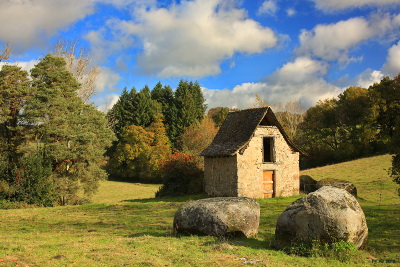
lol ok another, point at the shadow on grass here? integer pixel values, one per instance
(252, 243)
(383, 227)
(166, 199)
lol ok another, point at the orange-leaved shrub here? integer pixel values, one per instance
(182, 174)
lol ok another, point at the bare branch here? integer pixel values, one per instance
(79, 63)
(5, 55)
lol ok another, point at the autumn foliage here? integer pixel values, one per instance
(182, 174)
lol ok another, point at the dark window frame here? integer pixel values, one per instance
(268, 149)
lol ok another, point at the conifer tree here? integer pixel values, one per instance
(189, 101)
(143, 108)
(75, 135)
(14, 93)
(119, 116)
(165, 96)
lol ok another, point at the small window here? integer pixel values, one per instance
(268, 149)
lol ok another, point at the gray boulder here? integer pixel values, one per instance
(307, 184)
(219, 216)
(327, 215)
(346, 185)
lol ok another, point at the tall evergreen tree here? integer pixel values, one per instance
(118, 113)
(165, 96)
(189, 101)
(15, 91)
(75, 135)
(199, 100)
(143, 108)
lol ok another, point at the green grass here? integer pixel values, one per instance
(115, 191)
(126, 226)
(369, 175)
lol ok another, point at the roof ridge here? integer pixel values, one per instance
(250, 109)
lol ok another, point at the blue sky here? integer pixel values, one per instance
(282, 50)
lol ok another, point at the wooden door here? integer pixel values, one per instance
(268, 184)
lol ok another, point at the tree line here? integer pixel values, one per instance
(359, 122)
(149, 124)
(54, 145)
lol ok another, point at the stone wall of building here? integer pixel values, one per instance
(220, 176)
(251, 166)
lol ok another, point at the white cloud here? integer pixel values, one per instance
(334, 41)
(25, 65)
(368, 78)
(268, 7)
(290, 12)
(298, 80)
(392, 65)
(102, 48)
(107, 80)
(335, 5)
(105, 104)
(27, 23)
(192, 38)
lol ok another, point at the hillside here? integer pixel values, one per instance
(369, 175)
(126, 226)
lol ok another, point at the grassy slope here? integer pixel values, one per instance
(129, 228)
(369, 175)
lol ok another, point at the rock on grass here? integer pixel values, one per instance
(219, 216)
(327, 215)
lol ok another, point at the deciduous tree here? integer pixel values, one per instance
(197, 137)
(5, 54)
(79, 62)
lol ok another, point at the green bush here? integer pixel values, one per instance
(182, 175)
(342, 251)
(30, 183)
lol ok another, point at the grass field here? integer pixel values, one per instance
(126, 226)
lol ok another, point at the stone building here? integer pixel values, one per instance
(251, 156)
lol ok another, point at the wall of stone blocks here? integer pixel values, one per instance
(251, 165)
(220, 176)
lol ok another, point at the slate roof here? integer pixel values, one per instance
(237, 130)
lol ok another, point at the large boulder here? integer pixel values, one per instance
(327, 215)
(219, 216)
(307, 184)
(346, 185)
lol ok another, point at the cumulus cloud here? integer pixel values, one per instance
(27, 23)
(368, 78)
(334, 41)
(268, 8)
(392, 65)
(192, 38)
(25, 65)
(107, 80)
(104, 104)
(335, 5)
(300, 80)
(290, 12)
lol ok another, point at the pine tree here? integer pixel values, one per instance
(189, 101)
(14, 93)
(75, 135)
(199, 101)
(165, 96)
(118, 113)
(143, 108)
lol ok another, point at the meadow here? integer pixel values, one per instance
(126, 226)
